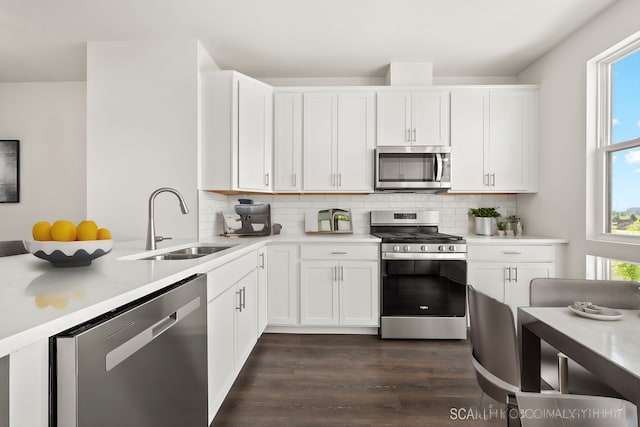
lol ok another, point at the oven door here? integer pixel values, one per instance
(424, 288)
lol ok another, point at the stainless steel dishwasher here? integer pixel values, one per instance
(144, 364)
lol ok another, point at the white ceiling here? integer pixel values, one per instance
(44, 40)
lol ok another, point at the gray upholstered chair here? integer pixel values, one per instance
(494, 346)
(561, 293)
(564, 410)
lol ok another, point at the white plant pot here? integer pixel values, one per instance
(485, 226)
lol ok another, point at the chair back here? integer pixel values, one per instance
(494, 344)
(564, 292)
(563, 410)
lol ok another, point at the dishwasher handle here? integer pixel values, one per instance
(136, 343)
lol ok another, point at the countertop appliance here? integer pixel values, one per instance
(334, 220)
(413, 168)
(248, 220)
(144, 364)
(423, 276)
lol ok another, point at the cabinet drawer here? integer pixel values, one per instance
(219, 279)
(508, 253)
(339, 252)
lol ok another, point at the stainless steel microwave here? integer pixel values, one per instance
(413, 168)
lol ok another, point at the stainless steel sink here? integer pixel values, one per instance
(187, 253)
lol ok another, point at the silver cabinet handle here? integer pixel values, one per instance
(516, 274)
(334, 273)
(262, 260)
(485, 179)
(136, 343)
(414, 134)
(512, 253)
(339, 253)
(239, 307)
(408, 137)
(266, 179)
(333, 179)
(507, 274)
(339, 180)
(295, 180)
(341, 273)
(493, 179)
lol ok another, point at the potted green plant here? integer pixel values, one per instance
(502, 227)
(485, 219)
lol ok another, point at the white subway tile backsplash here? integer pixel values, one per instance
(288, 210)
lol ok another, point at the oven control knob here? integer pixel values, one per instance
(396, 248)
(441, 248)
(406, 248)
(452, 248)
(423, 248)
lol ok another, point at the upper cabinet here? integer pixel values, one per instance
(493, 140)
(413, 118)
(236, 133)
(287, 142)
(338, 139)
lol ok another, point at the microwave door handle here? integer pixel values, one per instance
(439, 168)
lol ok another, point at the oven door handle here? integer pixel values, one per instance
(419, 256)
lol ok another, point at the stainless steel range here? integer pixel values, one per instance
(423, 276)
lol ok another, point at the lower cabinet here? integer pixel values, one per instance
(263, 318)
(282, 285)
(232, 321)
(28, 386)
(339, 285)
(504, 272)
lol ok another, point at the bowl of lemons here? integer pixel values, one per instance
(65, 244)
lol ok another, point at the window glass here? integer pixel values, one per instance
(625, 99)
(624, 190)
(625, 271)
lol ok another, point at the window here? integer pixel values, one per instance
(612, 269)
(619, 142)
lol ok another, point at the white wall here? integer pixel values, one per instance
(49, 121)
(558, 209)
(142, 128)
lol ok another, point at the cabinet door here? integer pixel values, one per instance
(319, 293)
(262, 291)
(516, 288)
(508, 137)
(220, 347)
(359, 305)
(287, 144)
(469, 134)
(488, 278)
(29, 386)
(282, 285)
(320, 141)
(246, 317)
(355, 141)
(430, 118)
(393, 118)
(254, 127)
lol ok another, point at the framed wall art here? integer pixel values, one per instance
(9, 171)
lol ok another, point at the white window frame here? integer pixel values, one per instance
(599, 120)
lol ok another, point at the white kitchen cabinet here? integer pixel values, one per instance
(287, 142)
(339, 285)
(493, 140)
(282, 285)
(413, 118)
(231, 324)
(29, 386)
(338, 139)
(235, 152)
(505, 272)
(263, 318)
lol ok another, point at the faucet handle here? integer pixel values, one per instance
(161, 238)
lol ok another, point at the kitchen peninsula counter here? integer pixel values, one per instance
(38, 300)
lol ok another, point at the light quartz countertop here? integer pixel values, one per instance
(38, 300)
(475, 239)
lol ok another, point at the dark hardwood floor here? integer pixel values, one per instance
(357, 380)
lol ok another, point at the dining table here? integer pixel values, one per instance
(607, 347)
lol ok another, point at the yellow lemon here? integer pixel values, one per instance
(63, 231)
(87, 230)
(104, 234)
(42, 231)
